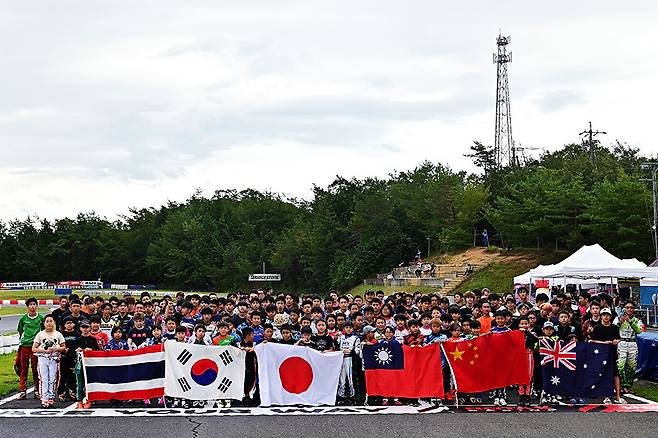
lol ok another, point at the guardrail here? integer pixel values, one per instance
(8, 344)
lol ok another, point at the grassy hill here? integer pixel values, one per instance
(496, 268)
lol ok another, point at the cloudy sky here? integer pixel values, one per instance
(111, 105)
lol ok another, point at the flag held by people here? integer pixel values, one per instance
(577, 369)
(124, 375)
(291, 375)
(488, 362)
(202, 372)
(394, 370)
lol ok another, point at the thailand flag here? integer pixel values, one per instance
(124, 375)
(292, 375)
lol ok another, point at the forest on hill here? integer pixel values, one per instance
(350, 229)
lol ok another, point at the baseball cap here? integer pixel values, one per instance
(84, 323)
(606, 310)
(368, 329)
(548, 324)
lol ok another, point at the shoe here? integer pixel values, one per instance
(37, 396)
(620, 401)
(147, 402)
(22, 395)
(582, 401)
(397, 402)
(385, 402)
(161, 401)
(607, 401)
(502, 401)
(61, 397)
(573, 401)
(72, 395)
(496, 401)
(227, 403)
(87, 405)
(81, 405)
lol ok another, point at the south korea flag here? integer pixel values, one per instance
(202, 372)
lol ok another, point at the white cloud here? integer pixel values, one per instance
(106, 106)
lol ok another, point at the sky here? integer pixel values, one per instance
(106, 106)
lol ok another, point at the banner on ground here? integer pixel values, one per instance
(395, 370)
(124, 375)
(290, 375)
(204, 372)
(490, 361)
(577, 369)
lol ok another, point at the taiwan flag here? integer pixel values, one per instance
(395, 370)
(487, 362)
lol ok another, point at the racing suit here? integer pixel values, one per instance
(346, 383)
(627, 350)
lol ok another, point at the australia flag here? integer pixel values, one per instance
(577, 369)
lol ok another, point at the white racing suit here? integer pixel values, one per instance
(345, 381)
(48, 367)
(627, 350)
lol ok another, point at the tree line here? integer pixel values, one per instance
(349, 230)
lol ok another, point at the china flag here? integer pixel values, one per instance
(490, 361)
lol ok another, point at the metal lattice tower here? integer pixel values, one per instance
(504, 150)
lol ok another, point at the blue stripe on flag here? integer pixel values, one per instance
(126, 373)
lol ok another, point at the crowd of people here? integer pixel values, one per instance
(50, 345)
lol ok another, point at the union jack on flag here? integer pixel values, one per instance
(558, 354)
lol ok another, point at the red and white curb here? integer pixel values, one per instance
(22, 302)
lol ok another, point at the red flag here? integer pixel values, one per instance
(490, 361)
(395, 370)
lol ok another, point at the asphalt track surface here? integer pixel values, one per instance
(8, 324)
(443, 424)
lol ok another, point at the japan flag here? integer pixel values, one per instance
(291, 375)
(203, 372)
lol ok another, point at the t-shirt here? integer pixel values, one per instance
(87, 342)
(323, 343)
(139, 335)
(603, 333)
(485, 323)
(28, 327)
(46, 340)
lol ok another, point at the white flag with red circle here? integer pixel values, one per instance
(293, 375)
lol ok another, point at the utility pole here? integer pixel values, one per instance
(653, 167)
(591, 143)
(504, 152)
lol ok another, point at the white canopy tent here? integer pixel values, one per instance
(586, 266)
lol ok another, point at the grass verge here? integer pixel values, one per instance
(8, 378)
(646, 389)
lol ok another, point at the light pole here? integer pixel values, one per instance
(654, 168)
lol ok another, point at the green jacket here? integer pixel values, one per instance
(28, 329)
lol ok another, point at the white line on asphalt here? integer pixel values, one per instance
(638, 398)
(15, 396)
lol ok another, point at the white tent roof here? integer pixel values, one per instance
(590, 262)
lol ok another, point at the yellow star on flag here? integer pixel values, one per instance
(457, 354)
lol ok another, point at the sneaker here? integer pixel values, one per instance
(147, 402)
(397, 402)
(80, 405)
(582, 401)
(502, 401)
(496, 401)
(22, 395)
(620, 401)
(161, 401)
(37, 396)
(87, 405)
(61, 397)
(45, 405)
(227, 403)
(385, 402)
(607, 401)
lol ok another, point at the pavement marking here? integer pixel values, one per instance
(638, 398)
(11, 398)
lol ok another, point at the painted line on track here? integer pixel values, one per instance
(11, 398)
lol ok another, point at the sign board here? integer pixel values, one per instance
(264, 277)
